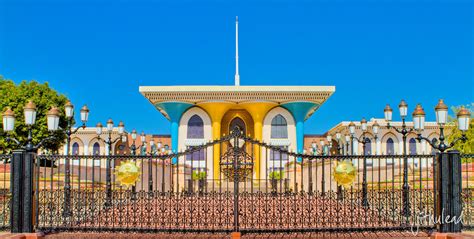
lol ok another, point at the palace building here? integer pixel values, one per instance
(275, 115)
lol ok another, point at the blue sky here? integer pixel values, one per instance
(374, 52)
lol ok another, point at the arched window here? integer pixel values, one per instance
(239, 123)
(75, 149)
(195, 127)
(412, 146)
(368, 147)
(96, 149)
(279, 127)
(390, 148)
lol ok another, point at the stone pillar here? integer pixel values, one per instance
(85, 149)
(378, 146)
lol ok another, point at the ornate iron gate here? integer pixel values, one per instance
(287, 192)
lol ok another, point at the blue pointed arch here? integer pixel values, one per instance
(174, 111)
(300, 111)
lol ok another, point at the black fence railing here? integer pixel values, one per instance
(185, 192)
(467, 193)
(5, 194)
(168, 196)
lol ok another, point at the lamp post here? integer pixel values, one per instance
(154, 150)
(364, 141)
(403, 108)
(347, 138)
(30, 119)
(463, 117)
(329, 146)
(339, 151)
(448, 165)
(133, 148)
(314, 152)
(69, 110)
(22, 165)
(324, 152)
(339, 142)
(110, 142)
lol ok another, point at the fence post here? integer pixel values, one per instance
(16, 187)
(448, 210)
(456, 187)
(236, 165)
(28, 197)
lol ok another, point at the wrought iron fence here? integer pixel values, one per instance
(467, 193)
(254, 187)
(5, 194)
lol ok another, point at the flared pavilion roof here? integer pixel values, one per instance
(280, 95)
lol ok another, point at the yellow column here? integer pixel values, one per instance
(216, 111)
(258, 110)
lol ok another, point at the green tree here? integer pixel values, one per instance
(15, 97)
(276, 175)
(463, 147)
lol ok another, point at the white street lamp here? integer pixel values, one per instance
(84, 114)
(441, 113)
(98, 129)
(375, 128)
(53, 119)
(329, 138)
(69, 110)
(418, 118)
(30, 113)
(403, 107)
(110, 125)
(463, 119)
(363, 125)
(352, 127)
(121, 127)
(388, 113)
(8, 120)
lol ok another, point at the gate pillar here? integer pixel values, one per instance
(22, 189)
(448, 208)
(16, 182)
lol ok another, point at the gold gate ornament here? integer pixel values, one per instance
(345, 173)
(127, 173)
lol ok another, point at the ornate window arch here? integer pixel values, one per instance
(239, 122)
(412, 146)
(96, 149)
(75, 148)
(368, 147)
(390, 147)
(195, 127)
(279, 127)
